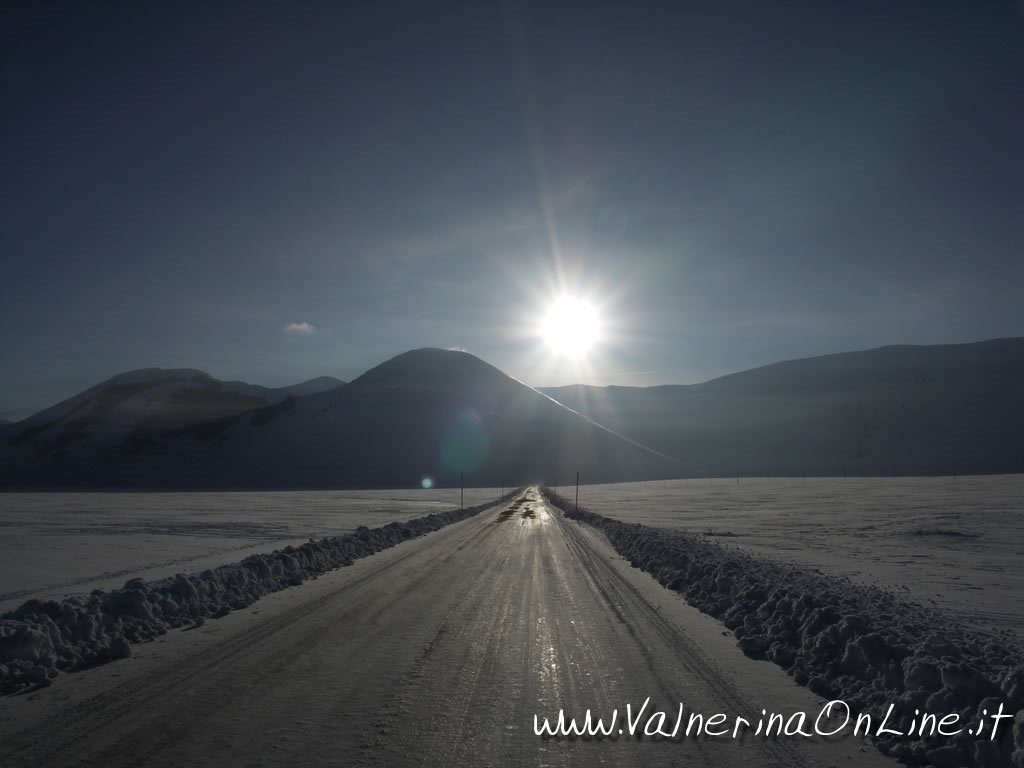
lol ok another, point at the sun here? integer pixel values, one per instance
(571, 327)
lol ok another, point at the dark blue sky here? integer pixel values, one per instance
(734, 182)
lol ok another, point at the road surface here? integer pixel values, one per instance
(438, 652)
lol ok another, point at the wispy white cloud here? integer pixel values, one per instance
(300, 329)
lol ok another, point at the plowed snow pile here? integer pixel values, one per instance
(844, 640)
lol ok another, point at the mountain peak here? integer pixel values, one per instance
(430, 368)
(142, 375)
(430, 353)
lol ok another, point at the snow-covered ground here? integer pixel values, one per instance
(55, 544)
(954, 543)
(448, 644)
(441, 650)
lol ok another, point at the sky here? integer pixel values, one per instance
(271, 191)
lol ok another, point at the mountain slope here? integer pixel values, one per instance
(313, 386)
(435, 414)
(130, 410)
(904, 409)
(425, 414)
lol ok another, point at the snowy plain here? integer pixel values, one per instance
(495, 588)
(56, 544)
(952, 543)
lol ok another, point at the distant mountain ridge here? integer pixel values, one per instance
(437, 415)
(311, 387)
(426, 415)
(942, 409)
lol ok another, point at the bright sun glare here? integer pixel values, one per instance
(571, 327)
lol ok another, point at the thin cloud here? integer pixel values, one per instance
(300, 329)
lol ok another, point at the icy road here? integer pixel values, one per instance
(440, 651)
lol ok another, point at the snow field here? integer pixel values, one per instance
(844, 640)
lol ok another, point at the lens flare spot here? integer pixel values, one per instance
(465, 444)
(427, 482)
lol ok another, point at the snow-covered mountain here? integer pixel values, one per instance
(426, 414)
(436, 414)
(130, 410)
(952, 408)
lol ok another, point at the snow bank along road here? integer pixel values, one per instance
(439, 651)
